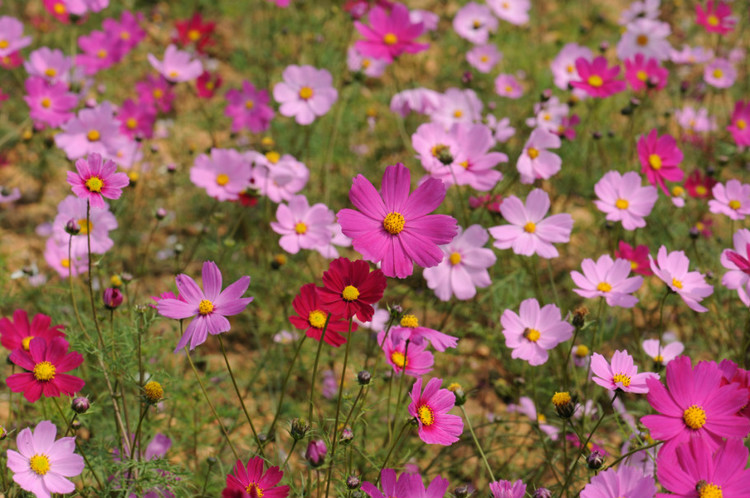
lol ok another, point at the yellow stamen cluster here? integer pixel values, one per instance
(317, 319)
(399, 359)
(426, 415)
(454, 258)
(305, 93)
(621, 204)
(529, 227)
(677, 283)
(532, 335)
(205, 307)
(44, 371)
(94, 184)
(694, 417)
(409, 321)
(394, 223)
(621, 378)
(604, 287)
(532, 152)
(39, 464)
(93, 135)
(153, 392)
(390, 39)
(561, 399)
(350, 293)
(654, 160)
(300, 228)
(595, 80)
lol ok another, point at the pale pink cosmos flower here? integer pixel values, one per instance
(305, 93)
(11, 36)
(536, 162)
(484, 57)
(608, 279)
(278, 177)
(464, 266)
(647, 37)
(430, 20)
(52, 65)
(456, 106)
(648, 9)
(720, 73)
(506, 85)
(694, 120)
(623, 198)
(100, 223)
(672, 269)
(620, 374)
(662, 353)
(529, 232)
(564, 64)
(732, 199)
(512, 11)
(691, 55)
(49, 103)
(534, 331)
(549, 115)
(178, 65)
(737, 261)
(92, 130)
(437, 149)
(224, 174)
(474, 164)
(369, 66)
(475, 22)
(419, 100)
(96, 178)
(526, 407)
(302, 226)
(501, 128)
(56, 256)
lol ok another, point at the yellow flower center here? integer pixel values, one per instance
(484, 58)
(173, 74)
(426, 415)
(438, 149)
(654, 160)
(676, 283)
(570, 68)
(44, 371)
(273, 156)
(205, 307)
(582, 351)
(350, 293)
(677, 191)
(210, 86)
(532, 335)
(86, 226)
(39, 464)
(454, 258)
(399, 359)
(115, 281)
(131, 123)
(394, 223)
(621, 378)
(530, 227)
(158, 93)
(153, 391)
(508, 88)
(254, 490)
(409, 321)
(125, 35)
(50, 72)
(477, 24)
(641, 75)
(541, 418)
(633, 265)
(642, 40)
(735, 204)
(101, 53)
(390, 39)
(300, 228)
(317, 319)
(26, 342)
(93, 135)
(622, 204)
(708, 490)
(65, 263)
(59, 8)
(194, 35)
(46, 102)
(718, 73)
(694, 417)
(532, 152)
(366, 63)
(659, 358)
(561, 399)
(305, 92)
(222, 179)
(458, 113)
(94, 184)
(249, 104)
(595, 80)
(464, 164)
(741, 124)
(713, 20)
(604, 287)
(701, 190)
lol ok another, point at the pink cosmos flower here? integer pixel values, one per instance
(501, 128)
(136, 119)
(514, 11)
(738, 264)
(50, 103)
(474, 163)
(127, 30)
(697, 405)
(549, 115)
(648, 9)
(419, 100)
(302, 226)
(623, 198)
(464, 266)
(209, 307)
(437, 149)
(529, 232)
(52, 65)
(456, 106)
(408, 484)
(625, 481)
(101, 221)
(716, 17)
(224, 175)
(564, 64)
(178, 65)
(536, 162)
(596, 78)
(475, 22)
(305, 93)
(93, 130)
(99, 51)
(251, 480)
(693, 122)
(660, 159)
(647, 37)
(12, 39)
(249, 108)
(393, 227)
(42, 465)
(644, 73)
(389, 35)
(534, 331)
(672, 269)
(430, 408)
(18, 333)
(621, 374)
(95, 179)
(732, 200)
(607, 279)
(484, 57)
(691, 55)
(506, 85)
(369, 66)
(56, 255)
(406, 357)
(740, 123)
(426, 17)
(662, 354)
(409, 329)
(156, 90)
(277, 177)
(720, 73)
(527, 407)
(506, 489)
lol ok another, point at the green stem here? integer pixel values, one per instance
(315, 367)
(393, 446)
(133, 452)
(291, 450)
(283, 386)
(476, 442)
(78, 446)
(401, 380)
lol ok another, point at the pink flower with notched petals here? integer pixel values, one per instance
(430, 408)
(737, 261)
(225, 174)
(474, 164)
(95, 179)
(623, 198)
(437, 150)
(419, 100)
(513, 11)
(716, 17)
(474, 22)
(732, 199)
(529, 232)
(136, 119)
(527, 407)
(644, 73)
(99, 51)
(501, 128)
(720, 73)
(672, 269)
(49, 103)
(251, 480)
(45, 363)
(127, 30)
(305, 93)
(608, 279)
(52, 65)
(621, 374)
(177, 66)
(91, 131)
(394, 227)
(484, 57)
(408, 485)
(647, 37)
(506, 85)
(405, 357)
(389, 34)
(426, 17)
(596, 78)
(536, 162)
(660, 159)
(369, 66)
(662, 353)
(549, 115)
(56, 255)
(740, 123)
(464, 266)
(156, 90)
(534, 331)
(456, 106)
(506, 489)
(302, 226)
(409, 329)
(249, 108)
(208, 308)
(277, 177)
(18, 332)
(621, 482)
(11, 36)
(100, 222)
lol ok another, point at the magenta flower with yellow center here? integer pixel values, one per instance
(389, 34)
(430, 408)
(97, 178)
(621, 374)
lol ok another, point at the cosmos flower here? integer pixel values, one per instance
(620, 482)
(527, 407)
(513, 11)
(92, 130)
(52, 65)
(350, 288)
(740, 123)
(404, 356)
(643, 73)
(564, 64)
(647, 37)
(456, 106)
(430, 408)
(662, 353)
(50, 103)
(720, 73)
(408, 484)
(474, 22)
(251, 480)
(409, 329)
(534, 331)
(224, 174)
(312, 319)
(12, 39)
(672, 269)
(56, 256)
(621, 374)
(623, 198)
(100, 223)
(737, 261)
(369, 66)
(506, 85)
(195, 31)
(484, 57)
(96, 178)
(305, 93)
(99, 51)
(716, 17)
(249, 108)
(732, 199)
(156, 90)
(596, 78)
(136, 119)
(419, 100)
(302, 226)
(507, 489)
(177, 66)
(389, 34)
(638, 257)
(536, 161)
(660, 159)
(207, 84)
(608, 279)
(127, 30)
(278, 177)
(18, 332)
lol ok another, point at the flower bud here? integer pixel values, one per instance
(278, 261)
(72, 227)
(456, 389)
(595, 460)
(546, 95)
(153, 392)
(364, 377)
(466, 78)
(80, 404)
(316, 452)
(462, 491)
(353, 482)
(160, 214)
(171, 168)
(112, 298)
(346, 436)
(579, 316)
(564, 403)
(299, 428)
(3, 433)
(357, 494)
(542, 493)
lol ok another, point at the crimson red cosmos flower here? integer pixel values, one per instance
(699, 186)
(194, 30)
(312, 319)
(45, 362)
(207, 84)
(638, 257)
(250, 481)
(350, 288)
(18, 333)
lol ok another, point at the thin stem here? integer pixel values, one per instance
(133, 452)
(291, 450)
(70, 282)
(283, 386)
(401, 380)
(393, 446)
(78, 446)
(476, 442)
(315, 367)
(631, 452)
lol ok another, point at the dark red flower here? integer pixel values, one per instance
(207, 84)
(699, 186)
(312, 318)
(19, 332)
(350, 288)
(195, 31)
(637, 256)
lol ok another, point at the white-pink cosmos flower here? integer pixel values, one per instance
(620, 374)
(732, 200)
(277, 177)
(484, 57)
(302, 226)
(662, 353)
(534, 331)
(456, 106)
(178, 65)
(623, 198)
(464, 266)
(564, 64)
(647, 37)
(529, 232)
(475, 22)
(526, 406)
(535, 160)
(738, 264)
(720, 73)
(513, 11)
(672, 269)
(305, 93)
(225, 174)
(419, 100)
(608, 279)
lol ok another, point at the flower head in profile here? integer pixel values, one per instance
(393, 227)
(620, 374)
(507, 489)
(389, 34)
(96, 178)
(536, 161)
(18, 332)
(350, 288)
(177, 65)
(716, 16)
(409, 329)
(248, 108)
(737, 261)
(597, 78)
(623, 198)
(732, 199)
(621, 482)
(430, 408)
(608, 279)
(208, 307)
(404, 356)
(252, 481)
(662, 353)
(408, 484)
(534, 330)
(42, 464)
(305, 93)
(672, 269)
(660, 159)
(740, 123)
(311, 318)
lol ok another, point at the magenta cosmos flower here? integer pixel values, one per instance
(49, 103)
(99, 51)
(464, 266)
(529, 232)
(660, 159)
(737, 261)
(156, 90)
(596, 78)
(18, 333)
(740, 124)
(621, 374)
(430, 408)
(637, 256)
(46, 363)
(93, 130)
(732, 200)
(407, 485)
(136, 119)
(534, 331)
(507, 489)
(249, 108)
(696, 405)
(625, 482)
(623, 198)
(389, 35)
(716, 17)
(225, 174)
(644, 73)
(252, 481)
(11, 37)
(302, 226)
(394, 227)
(305, 93)
(410, 330)
(536, 162)
(42, 465)
(406, 357)
(177, 66)
(672, 269)
(97, 178)
(209, 307)
(607, 279)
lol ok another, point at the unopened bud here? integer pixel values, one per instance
(364, 377)
(72, 227)
(80, 404)
(353, 482)
(299, 428)
(542, 493)
(153, 392)
(112, 298)
(316, 452)
(456, 389)
(160, 214)
(564, 403)
(595, 460)
(579, 316)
